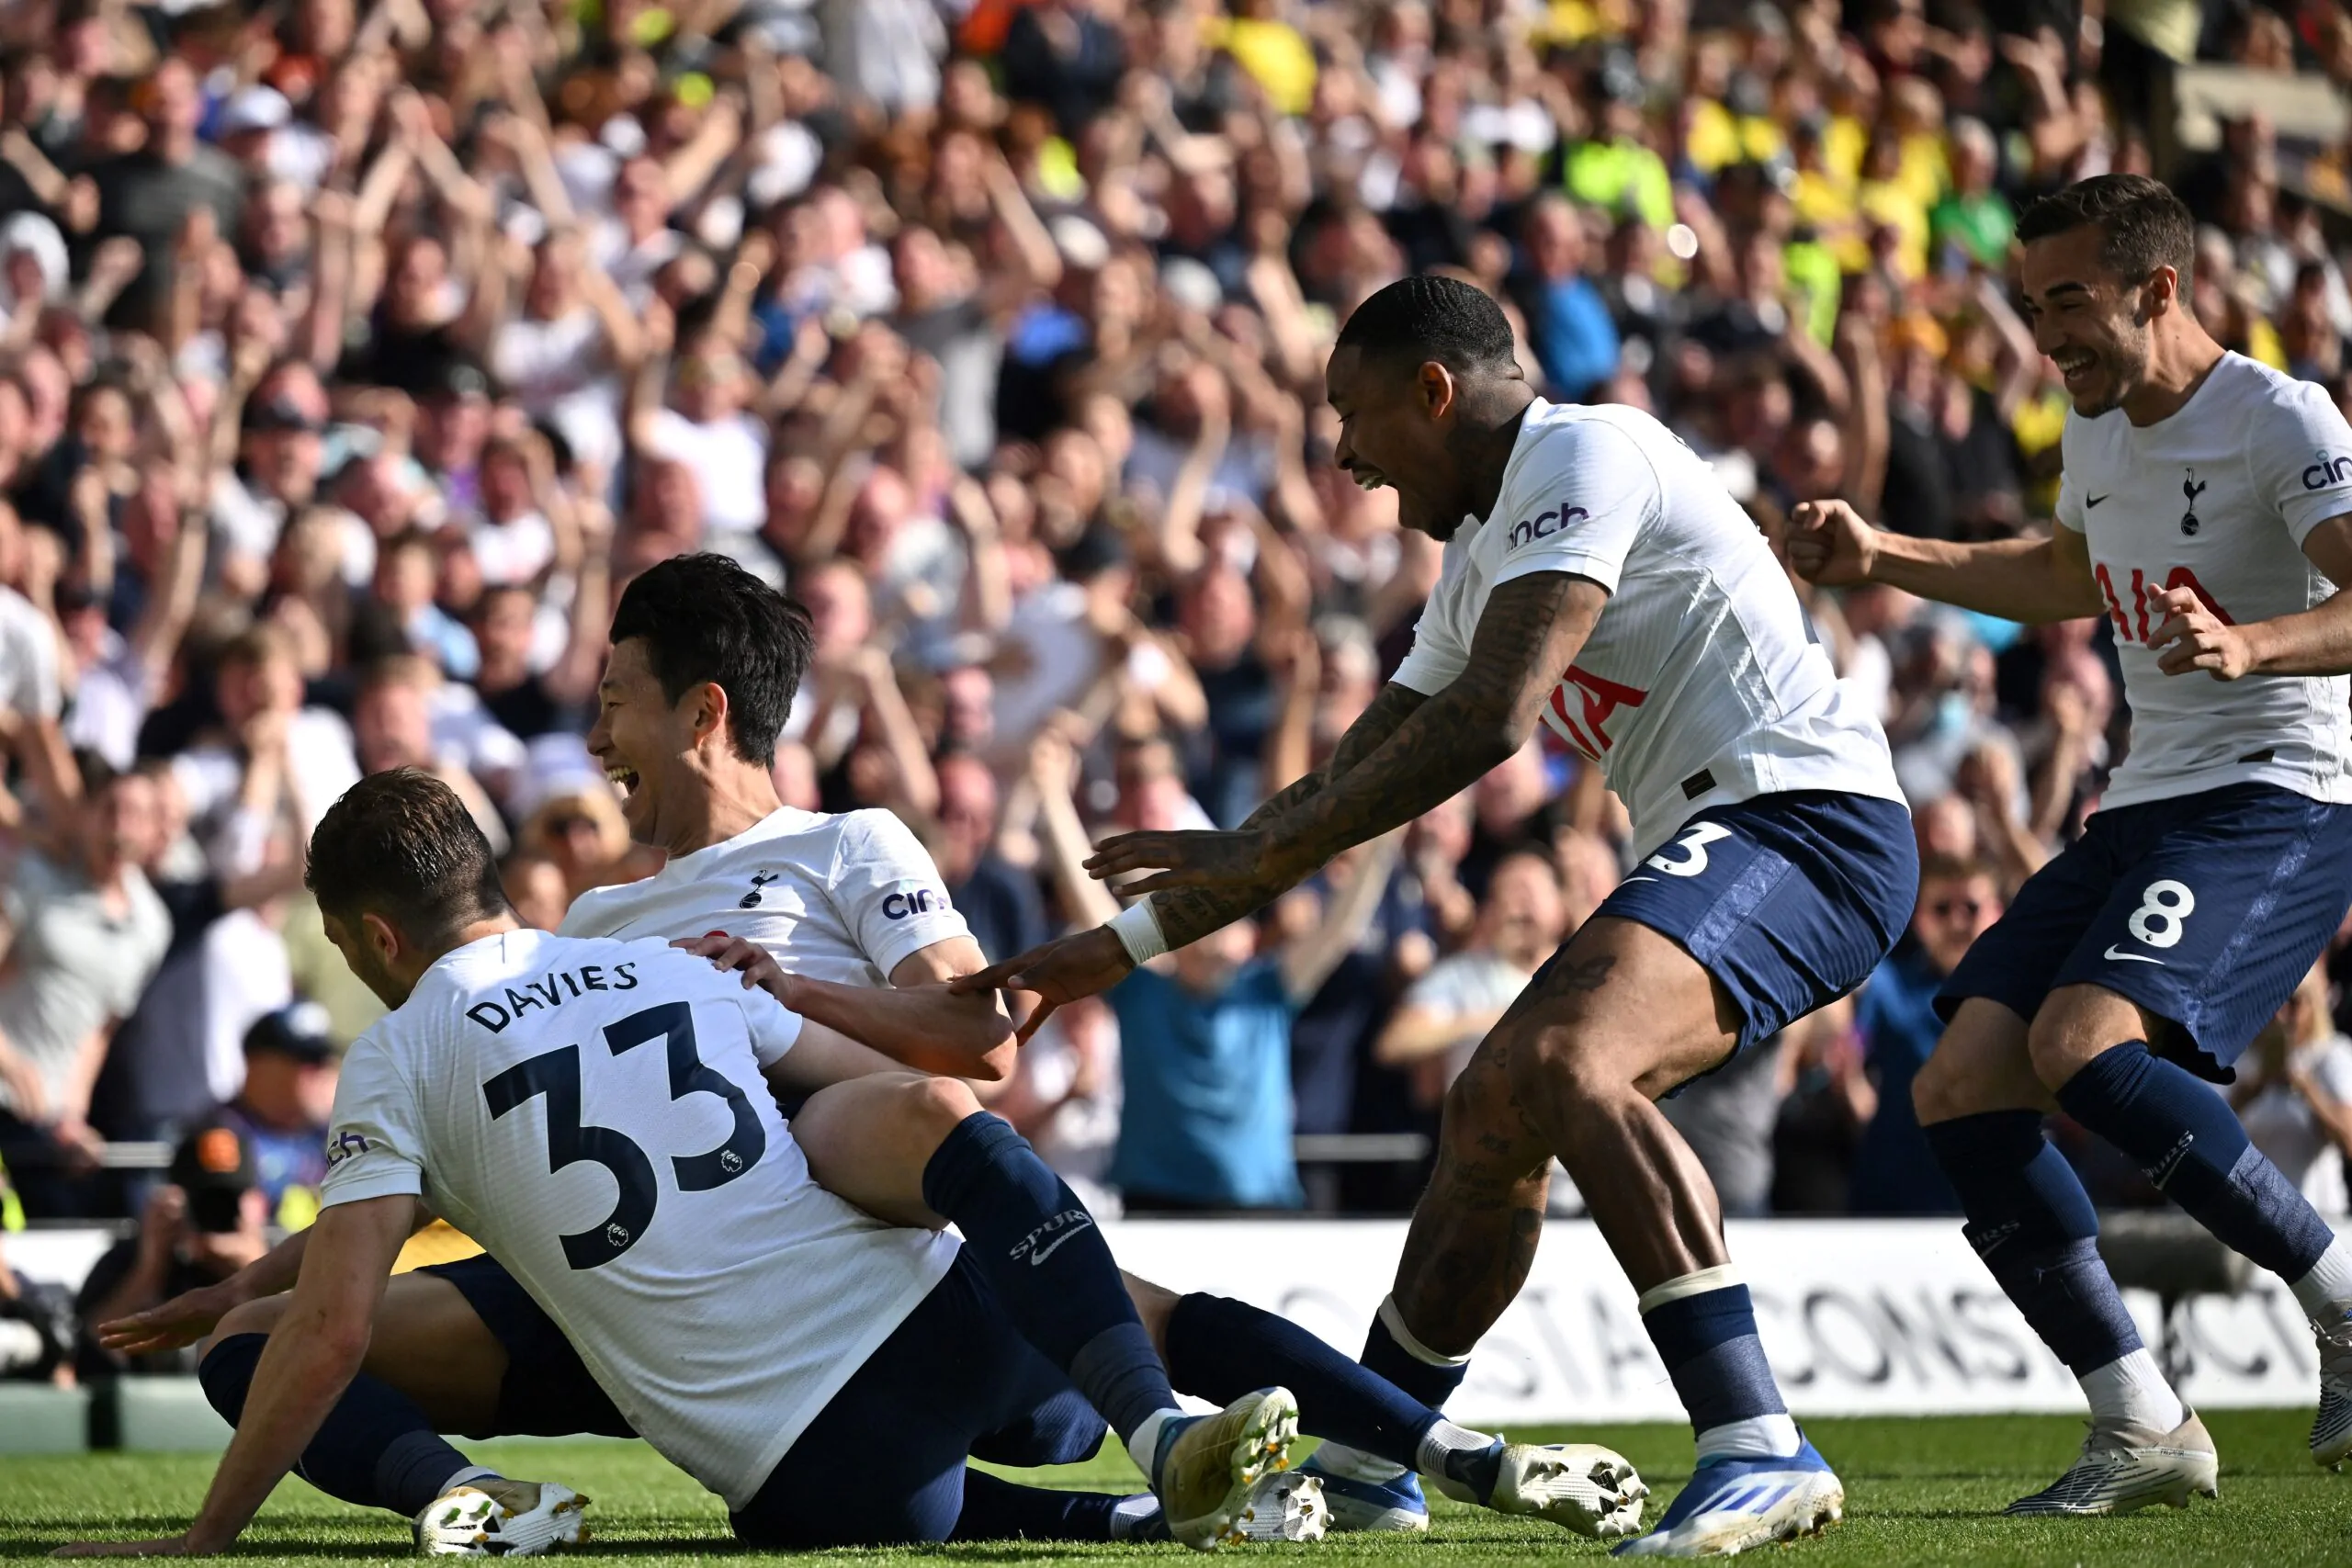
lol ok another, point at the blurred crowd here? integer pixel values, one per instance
(353, 353)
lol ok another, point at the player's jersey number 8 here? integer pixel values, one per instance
(555, 1075)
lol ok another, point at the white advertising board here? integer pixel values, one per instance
(1893, 1318)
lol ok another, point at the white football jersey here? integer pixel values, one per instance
(845, 898)
(594, 1114)
(2218, 498)
(1700, 683)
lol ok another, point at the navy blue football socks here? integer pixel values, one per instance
(375, 1449)
(1219, 1350)
(1704, 1328)
(2032, 1223)
(1431, 1381)
(1039, 1250)
(2193, 1147)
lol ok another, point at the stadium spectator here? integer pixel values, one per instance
(349, 373)
(1894, 1171)
(281, 1111)
(203, 1224)
(2296, 1101)
(85, 933)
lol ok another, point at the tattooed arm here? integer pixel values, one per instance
(1531, 630)
(1187, 914)
(1091, 961)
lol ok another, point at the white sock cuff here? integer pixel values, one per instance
(1394, 1321)
(1721, 1277)
(471, 1473)
(2323, 1292)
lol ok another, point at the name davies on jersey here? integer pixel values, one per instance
(547, 992)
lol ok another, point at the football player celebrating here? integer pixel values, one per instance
(1599, 579)
(704, 663)
(2206, 511)
(758, 1331)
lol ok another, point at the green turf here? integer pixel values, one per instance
(1917, 1491)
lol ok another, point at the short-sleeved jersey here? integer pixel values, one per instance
(1700, 683)
(845, 898)
(594, 1114)
(2218, 498)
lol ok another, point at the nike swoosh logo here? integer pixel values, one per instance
(1629, 881)
(1041, 1254)
(2133, 958)
(2091, 501)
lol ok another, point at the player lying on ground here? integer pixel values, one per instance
(1597, 577)
(2206, 510)
(686, 697)
(524, 1083)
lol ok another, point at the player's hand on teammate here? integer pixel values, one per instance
(1828, 542)
(1234, 860)
(757, 966)
(2193, 636)
(1063, 970)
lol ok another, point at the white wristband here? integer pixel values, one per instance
(1138, 931)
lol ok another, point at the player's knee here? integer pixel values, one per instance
(2076, 1024)
(1940, 1091)
(1561, 1067)
(937, 1105)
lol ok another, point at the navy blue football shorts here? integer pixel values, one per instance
(2205, 911)
(884, 1461)
(1788, 900)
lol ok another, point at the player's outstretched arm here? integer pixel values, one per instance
(1531, 630)
(1089, 962)
(2019, 580)
(312, 1357)
(2194, 634)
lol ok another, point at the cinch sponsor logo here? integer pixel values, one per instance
(922, 901)
(1543, 524)
(2327, 473)
(343, 1146)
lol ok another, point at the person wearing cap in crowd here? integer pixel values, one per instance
(291, 1067)
(202, 1226)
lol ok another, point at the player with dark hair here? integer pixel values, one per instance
(824, 1371)
(2206, 510)
(1599, 579)
(820, 907)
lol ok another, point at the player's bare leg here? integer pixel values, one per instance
(1619, 1018)
(433, 1366)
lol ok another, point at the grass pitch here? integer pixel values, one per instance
(1917, 1491)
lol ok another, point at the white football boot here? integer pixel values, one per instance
(2124, 1468)
(2332, 1428)
(1284, 1504)
(1208, 1466)
(492, 1517)
(1578, 1486)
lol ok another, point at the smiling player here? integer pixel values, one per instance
(2207, 512)
(1598, 579)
